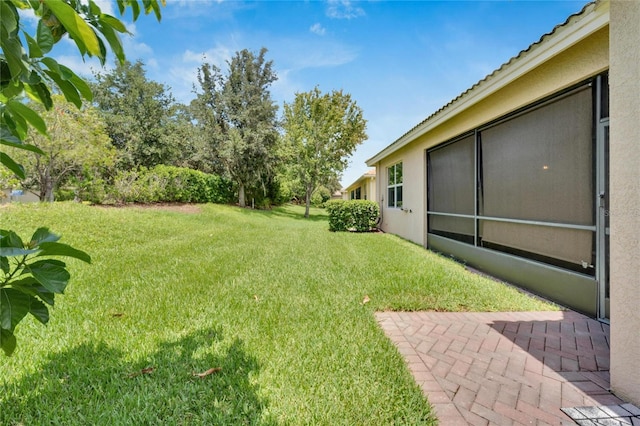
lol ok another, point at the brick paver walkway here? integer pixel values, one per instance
(505, 368)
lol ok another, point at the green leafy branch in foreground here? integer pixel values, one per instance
(26, 72)
(30, 281)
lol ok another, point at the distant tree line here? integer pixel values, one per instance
(231, 130)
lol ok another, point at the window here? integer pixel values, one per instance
(356, 194)
(394, 187)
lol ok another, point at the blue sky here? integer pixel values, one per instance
(399, 60)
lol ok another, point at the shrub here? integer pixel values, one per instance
(171, 184)
(320, 196)
(353, 215)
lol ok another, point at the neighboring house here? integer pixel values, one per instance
(362, 189)
(520, 176)
(18, 196)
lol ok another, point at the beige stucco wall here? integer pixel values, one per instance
(368, 188)
(585, 59)
(625, 199)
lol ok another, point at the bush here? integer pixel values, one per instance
(170, 184)
(320, 196)
(353, 215)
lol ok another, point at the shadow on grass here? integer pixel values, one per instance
(95, 384)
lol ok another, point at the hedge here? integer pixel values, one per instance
(171, 184)
(352, 215)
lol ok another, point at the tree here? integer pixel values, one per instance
(28, 281)
(321, 132)
(239, 118)
(77, 140)
(139, 115)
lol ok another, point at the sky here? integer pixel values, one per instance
(399, 60)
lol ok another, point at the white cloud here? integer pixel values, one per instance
(181, 77)
(84, 68)
(343, 9)
(330, 55)
(106, 6)
(218, 56)
(317, 29)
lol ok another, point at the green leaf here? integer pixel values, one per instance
(103, 52)
(40, 92)
(60, 249)
(38, 310)
(67, 75)
(31, 78)
(44, 37)
(8, 17)
(79, 30)
(10, 88)
(50, 273)
(15, 168)
(7, 341)
(156, 9)
(14, 251)
(4, 264)
(43, 235)
(34, 48)
(68, 90)
(12, 49)
(63, 72)
(17, 122)
(94, 8)
(14, 305)
(121, 6)
(10, 239)
(114, 23)
(78, 82)
(135, 8)
(30, 286)
(28, 114)
(114, 42)
(6, 138)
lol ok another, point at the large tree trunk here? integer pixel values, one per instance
(46, 187)
(308, 202)
(241, 200)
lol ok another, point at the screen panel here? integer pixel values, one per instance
(539, 166)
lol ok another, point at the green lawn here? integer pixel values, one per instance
(272, 299)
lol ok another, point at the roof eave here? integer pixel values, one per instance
(591, 19)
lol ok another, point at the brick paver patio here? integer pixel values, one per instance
(505, 368)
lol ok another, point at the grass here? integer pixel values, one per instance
(273, 300)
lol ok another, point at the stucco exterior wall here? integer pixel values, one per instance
(584, 59)
(625, 199)
(367, 183)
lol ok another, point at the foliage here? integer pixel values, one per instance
(352, 215)
(29, 281)
(238, 116)
(170, 184)
(321, 132)
(33, 73)
(265, 295)
(320, 196)
(76, 143)
(140, 116)
(30, 72)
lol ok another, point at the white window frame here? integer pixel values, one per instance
(393, 185)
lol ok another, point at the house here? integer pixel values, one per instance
(533, 175)
(364, 188)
